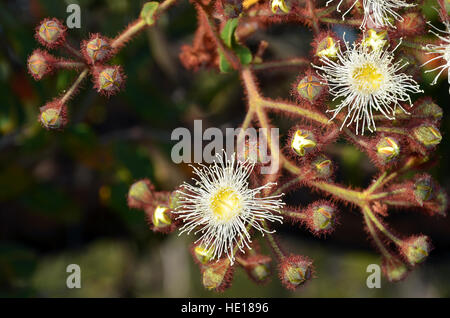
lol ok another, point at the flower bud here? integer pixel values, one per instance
(281, 4)
(232, 8)
(97, 49)
(202, 254)
(109, 80)
(161, 218)
(416, 249)
(394, 269)
(321, 217)
(388, 149)
(303, 142)
(40, 64)
(412, 23)
(53, 116)
(310, 88)
(140, 194)
(217, 275)
(257, 267)
(295, 270)
(322, 166)
(51, 33)
(326, 47)
(428, 135)
(442, 202)
(424, 189)
(428, 108)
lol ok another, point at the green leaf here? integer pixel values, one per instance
(148, 12)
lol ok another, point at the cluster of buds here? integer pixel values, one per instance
(92, 57)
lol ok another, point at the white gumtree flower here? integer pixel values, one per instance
(442, 50)
(366, 81)
(221, 206)
(378, 13)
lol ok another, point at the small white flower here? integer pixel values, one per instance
(380, 13)
(367, 80)
(221, 205)
(442, 50)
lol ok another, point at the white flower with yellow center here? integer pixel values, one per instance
(222, 207)
(380, 13)
(367, 81)
(442, 50)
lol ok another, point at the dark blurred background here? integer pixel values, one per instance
(63, 194)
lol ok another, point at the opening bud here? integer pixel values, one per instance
(375, 40)
(140, 194)
(295, 270)
(326, 47)
(416, 249)
(53, 116)
(40, 64)
(394, 269)
(303, 142)
(424, 189)
(51, 33)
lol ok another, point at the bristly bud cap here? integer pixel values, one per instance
(394, 269)
(109, 80)
(375, 40)
(326, 47)
(40, 64)
(51, 33)
(303, 141)
(428, 135)
(310, 88)
(53, 116)
(140, 194)
(217, 275)
(322, 166)
(321, 217)
(416, 249)
(388, 149)
(295, 270)
(97, 49)
(426, 107)
(279, 4)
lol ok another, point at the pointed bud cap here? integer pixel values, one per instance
(217, 275)
(388, 149)
(140, 194)
(109, 80)
(322, 166)
(53, 116)
(97, 49)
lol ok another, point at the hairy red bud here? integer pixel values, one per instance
(295, 270)
(51, 33)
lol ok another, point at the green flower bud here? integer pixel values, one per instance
(310, 88)
(388, 149)
(427, 135)
(416, 249)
